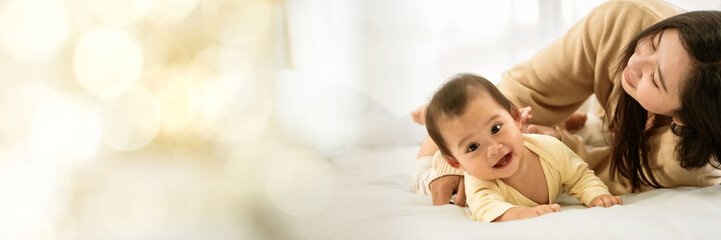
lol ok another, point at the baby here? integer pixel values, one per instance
(508, 175)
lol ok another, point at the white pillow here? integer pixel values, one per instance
(335, 119)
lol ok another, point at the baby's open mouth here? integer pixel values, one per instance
(504, 161)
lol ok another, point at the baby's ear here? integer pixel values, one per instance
(453, 162)
(516, 114)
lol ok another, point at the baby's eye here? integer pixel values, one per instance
(472, 147)
(495, 128)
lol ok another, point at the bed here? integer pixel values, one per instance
(373, 199)
(370, 154)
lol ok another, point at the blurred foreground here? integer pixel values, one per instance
(145, 120)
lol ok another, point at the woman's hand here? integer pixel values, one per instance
(534, 128)
(525, 116)
(575, 121)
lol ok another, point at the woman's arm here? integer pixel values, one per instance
(559, 78)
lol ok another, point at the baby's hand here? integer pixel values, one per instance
(516, 213)
(543, 209)
(540, 210)
(606, 200)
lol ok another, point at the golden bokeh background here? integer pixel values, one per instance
(146, 119)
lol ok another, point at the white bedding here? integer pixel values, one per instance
(373, 200)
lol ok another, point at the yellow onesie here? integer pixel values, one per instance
(563, 169)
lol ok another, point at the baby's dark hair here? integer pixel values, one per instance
(451, 101)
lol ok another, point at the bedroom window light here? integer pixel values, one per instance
(526, 12)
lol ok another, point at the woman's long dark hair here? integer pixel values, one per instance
(700, 112)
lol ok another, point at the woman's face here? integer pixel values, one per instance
(654, 72)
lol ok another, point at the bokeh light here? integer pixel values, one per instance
(186, 198)
(133, 205)
(175, 97)
(33, 30)
(105, 58)
(119, 12)
(129, 117)
(211, 104)
(169, 12)
(236, 107)
(234, 104)
(64, 129)
(16, 121)
(236, 22)
(118, 117)
(27, 211)
(203, 75)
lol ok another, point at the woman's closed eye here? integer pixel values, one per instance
(653, 43)
(653, 75)
(653, 79)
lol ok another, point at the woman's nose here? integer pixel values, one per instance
(638, 63)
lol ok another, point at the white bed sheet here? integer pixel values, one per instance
(373, 199)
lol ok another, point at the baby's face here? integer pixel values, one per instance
(486, 140)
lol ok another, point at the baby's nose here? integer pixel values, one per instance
(493, 150)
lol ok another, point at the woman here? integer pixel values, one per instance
(657, 75)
